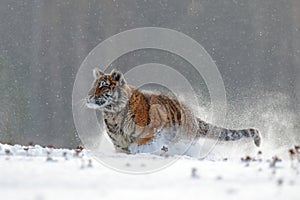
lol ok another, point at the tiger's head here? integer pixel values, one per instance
(109, 92)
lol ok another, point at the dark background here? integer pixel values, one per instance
(255, 44)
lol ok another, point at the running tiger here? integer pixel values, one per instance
(133, 117)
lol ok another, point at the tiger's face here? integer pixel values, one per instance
(107, 91)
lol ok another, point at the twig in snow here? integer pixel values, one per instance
(194, 173)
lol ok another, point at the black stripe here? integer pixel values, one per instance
(148, 108)
(172, 111)
(112, 138)
(178, 113)
(134, 129)
(163, 103)
(252, 131)
(179, 117)
(172, 115)
(169, 111)
(245, 133)
(160, 119)
(235, 135)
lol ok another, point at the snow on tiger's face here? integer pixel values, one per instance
(106, 90)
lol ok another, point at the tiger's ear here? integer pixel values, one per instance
(97, 73)
(117, 76)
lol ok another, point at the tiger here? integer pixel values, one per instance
(135, 117)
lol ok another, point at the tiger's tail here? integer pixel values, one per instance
(224, 134)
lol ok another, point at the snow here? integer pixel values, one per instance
(41, 173)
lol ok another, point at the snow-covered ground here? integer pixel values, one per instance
(41, 173)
